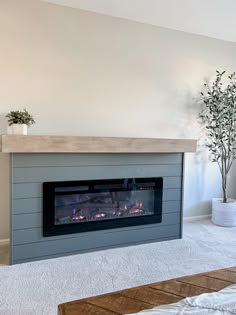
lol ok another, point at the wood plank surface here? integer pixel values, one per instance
(76, 144)
(206, 282)
(226, 275)
(84, 308)
(148, 296)
(119, 303)
(180, 288)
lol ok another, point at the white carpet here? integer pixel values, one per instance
(37, 288)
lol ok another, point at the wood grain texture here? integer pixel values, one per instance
(76, 144)
(206, 282)
(149, 296)
(119, 303)
(225, 275)
(86, 309)
(179, 288)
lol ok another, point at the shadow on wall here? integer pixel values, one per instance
(190, 124)
(202, 177)
(184, 113)
(232, 182)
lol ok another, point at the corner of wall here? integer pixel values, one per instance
(4, 197)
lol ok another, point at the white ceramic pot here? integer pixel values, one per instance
(17, 129)
(224, 214)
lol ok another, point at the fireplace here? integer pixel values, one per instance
(83, 206)
(36, 160)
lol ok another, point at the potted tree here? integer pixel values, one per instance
(19, 121)
(219, 118)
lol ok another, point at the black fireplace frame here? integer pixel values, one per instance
(51, 229)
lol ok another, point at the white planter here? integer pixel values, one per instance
(17, 129)
(224, 214)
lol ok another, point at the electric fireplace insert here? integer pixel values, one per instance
(82, 206)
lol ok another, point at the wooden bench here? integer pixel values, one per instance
(148, 296)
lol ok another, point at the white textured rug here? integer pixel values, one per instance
(37, 288)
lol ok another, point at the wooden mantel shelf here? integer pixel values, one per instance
(77, 144)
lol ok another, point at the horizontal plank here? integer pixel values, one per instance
(203, 281)
(84, 308)
(34, 234)
(78, 159)
(172, 194)
(161, 239)
(26, 205)
(34, 220)
(35, 190)
(179, 288)
(225, 275)
(12, 143)
(172, 182)
(171, 206)
(44, 174)
(27, 190)
(27, 221)
(148, 295)
(116, 238)
(120, 304)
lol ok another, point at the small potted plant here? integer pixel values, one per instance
(219, 118)
(19, 121)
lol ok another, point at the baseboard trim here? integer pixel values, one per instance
(4, 241)
(197, 218)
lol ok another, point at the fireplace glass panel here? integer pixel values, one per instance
(76, 204)
(100, 204)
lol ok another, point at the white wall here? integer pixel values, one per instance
(81, 73)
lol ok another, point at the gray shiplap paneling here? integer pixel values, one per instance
(60, 159)
(30, 170)
(34, 235)
(28, 205)
(100, 241)
(34, 190)
(32, 205)
(31, 220)
(19, 261)
(34, 175)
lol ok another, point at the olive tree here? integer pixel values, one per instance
(219, 118)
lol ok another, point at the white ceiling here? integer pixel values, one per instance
(214, 18)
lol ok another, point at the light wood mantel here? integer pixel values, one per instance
(77, 144)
